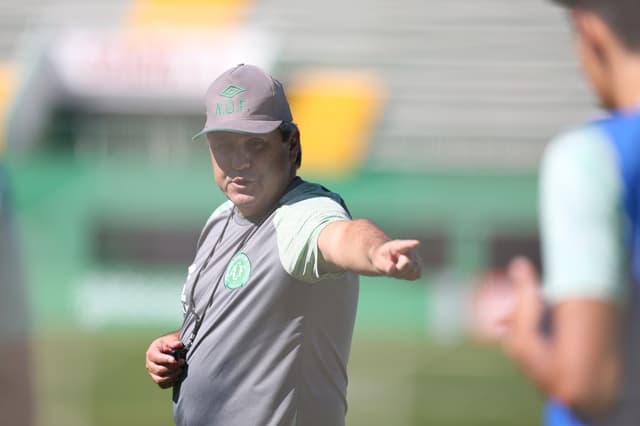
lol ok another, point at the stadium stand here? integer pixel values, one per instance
(471, 85)
(478, 87)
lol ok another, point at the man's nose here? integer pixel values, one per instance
(240, 159)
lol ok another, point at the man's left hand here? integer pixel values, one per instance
(522, 324)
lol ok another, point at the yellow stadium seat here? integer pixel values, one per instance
(186, 13)
(336, 112)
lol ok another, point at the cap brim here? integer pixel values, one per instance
(242, 127)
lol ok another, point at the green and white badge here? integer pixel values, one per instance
(238, 272)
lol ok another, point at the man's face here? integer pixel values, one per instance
(252, 170)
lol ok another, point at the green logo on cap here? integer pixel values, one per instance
(238, 272)
(231, 91)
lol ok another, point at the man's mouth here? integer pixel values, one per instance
(241, 181)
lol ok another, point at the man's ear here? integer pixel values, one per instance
(594, 35)
(295, 137)
(294, 141)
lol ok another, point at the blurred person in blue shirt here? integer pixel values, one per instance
(578, 336)
(16, 398)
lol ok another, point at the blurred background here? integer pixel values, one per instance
(428, 116)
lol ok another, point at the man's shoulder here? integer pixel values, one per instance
(310, 201)
(581, 145)
(617, 124)
(577, 137)
(305, 191)
(222, 210)
(623, 132)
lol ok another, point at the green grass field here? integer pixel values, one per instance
(99, 379)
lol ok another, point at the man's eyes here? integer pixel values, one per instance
(256, 144)
(222, 146)
(251, 145)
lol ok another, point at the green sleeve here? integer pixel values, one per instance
(580, 212)
(298, 226)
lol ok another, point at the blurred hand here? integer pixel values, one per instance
(523, 321)
(163, 368)
(398, 259)
(492, 306)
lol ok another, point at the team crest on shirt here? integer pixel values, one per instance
(238, 272)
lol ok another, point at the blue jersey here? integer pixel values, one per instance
(622, 132)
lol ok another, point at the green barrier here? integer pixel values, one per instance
(82, 221)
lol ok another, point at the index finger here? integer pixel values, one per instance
(160, 357)
(398, 247)
(521, 269)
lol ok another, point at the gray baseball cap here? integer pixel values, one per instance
(245, 99)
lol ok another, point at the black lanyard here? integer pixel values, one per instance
(191, 309)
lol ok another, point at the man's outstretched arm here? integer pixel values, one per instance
(360, 246)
